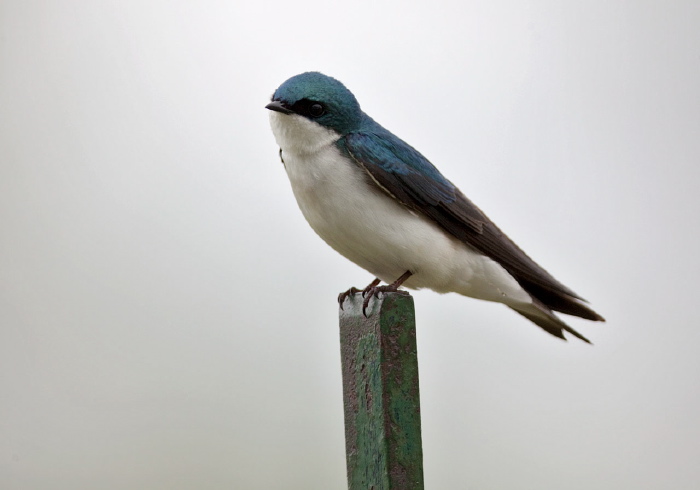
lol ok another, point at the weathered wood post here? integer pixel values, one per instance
(383, 446)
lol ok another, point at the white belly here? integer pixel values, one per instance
(370, 228)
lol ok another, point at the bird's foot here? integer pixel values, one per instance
(374, 290)
(353, 290)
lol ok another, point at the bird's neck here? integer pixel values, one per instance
(298, 135)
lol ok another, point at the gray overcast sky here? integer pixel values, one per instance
(168, 318)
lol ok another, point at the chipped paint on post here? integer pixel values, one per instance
(380, 391)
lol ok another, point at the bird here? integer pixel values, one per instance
(380, 203)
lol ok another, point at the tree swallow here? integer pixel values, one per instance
(380, 203)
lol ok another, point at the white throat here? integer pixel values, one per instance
(297, 134)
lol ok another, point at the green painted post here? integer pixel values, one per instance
(380, 392)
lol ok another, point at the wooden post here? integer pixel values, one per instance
(380, 390)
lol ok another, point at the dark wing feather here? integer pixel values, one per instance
(410, 178)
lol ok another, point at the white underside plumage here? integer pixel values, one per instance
(369, 227)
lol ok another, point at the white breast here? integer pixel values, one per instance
(370, 228)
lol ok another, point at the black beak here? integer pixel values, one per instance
(279, 106)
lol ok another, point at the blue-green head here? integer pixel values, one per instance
(318, 98)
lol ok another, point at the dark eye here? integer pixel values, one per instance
(309, 108)
(317, 110)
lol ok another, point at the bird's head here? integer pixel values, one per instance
(320, 99)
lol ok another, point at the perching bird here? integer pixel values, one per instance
(383, 205)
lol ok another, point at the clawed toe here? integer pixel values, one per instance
(343, 296)
(372, 290)
(370, 286)
(367, 294)
(353, 290)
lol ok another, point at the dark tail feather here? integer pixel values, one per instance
(543, 317)
(563, 303)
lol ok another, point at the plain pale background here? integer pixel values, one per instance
(168, 319)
